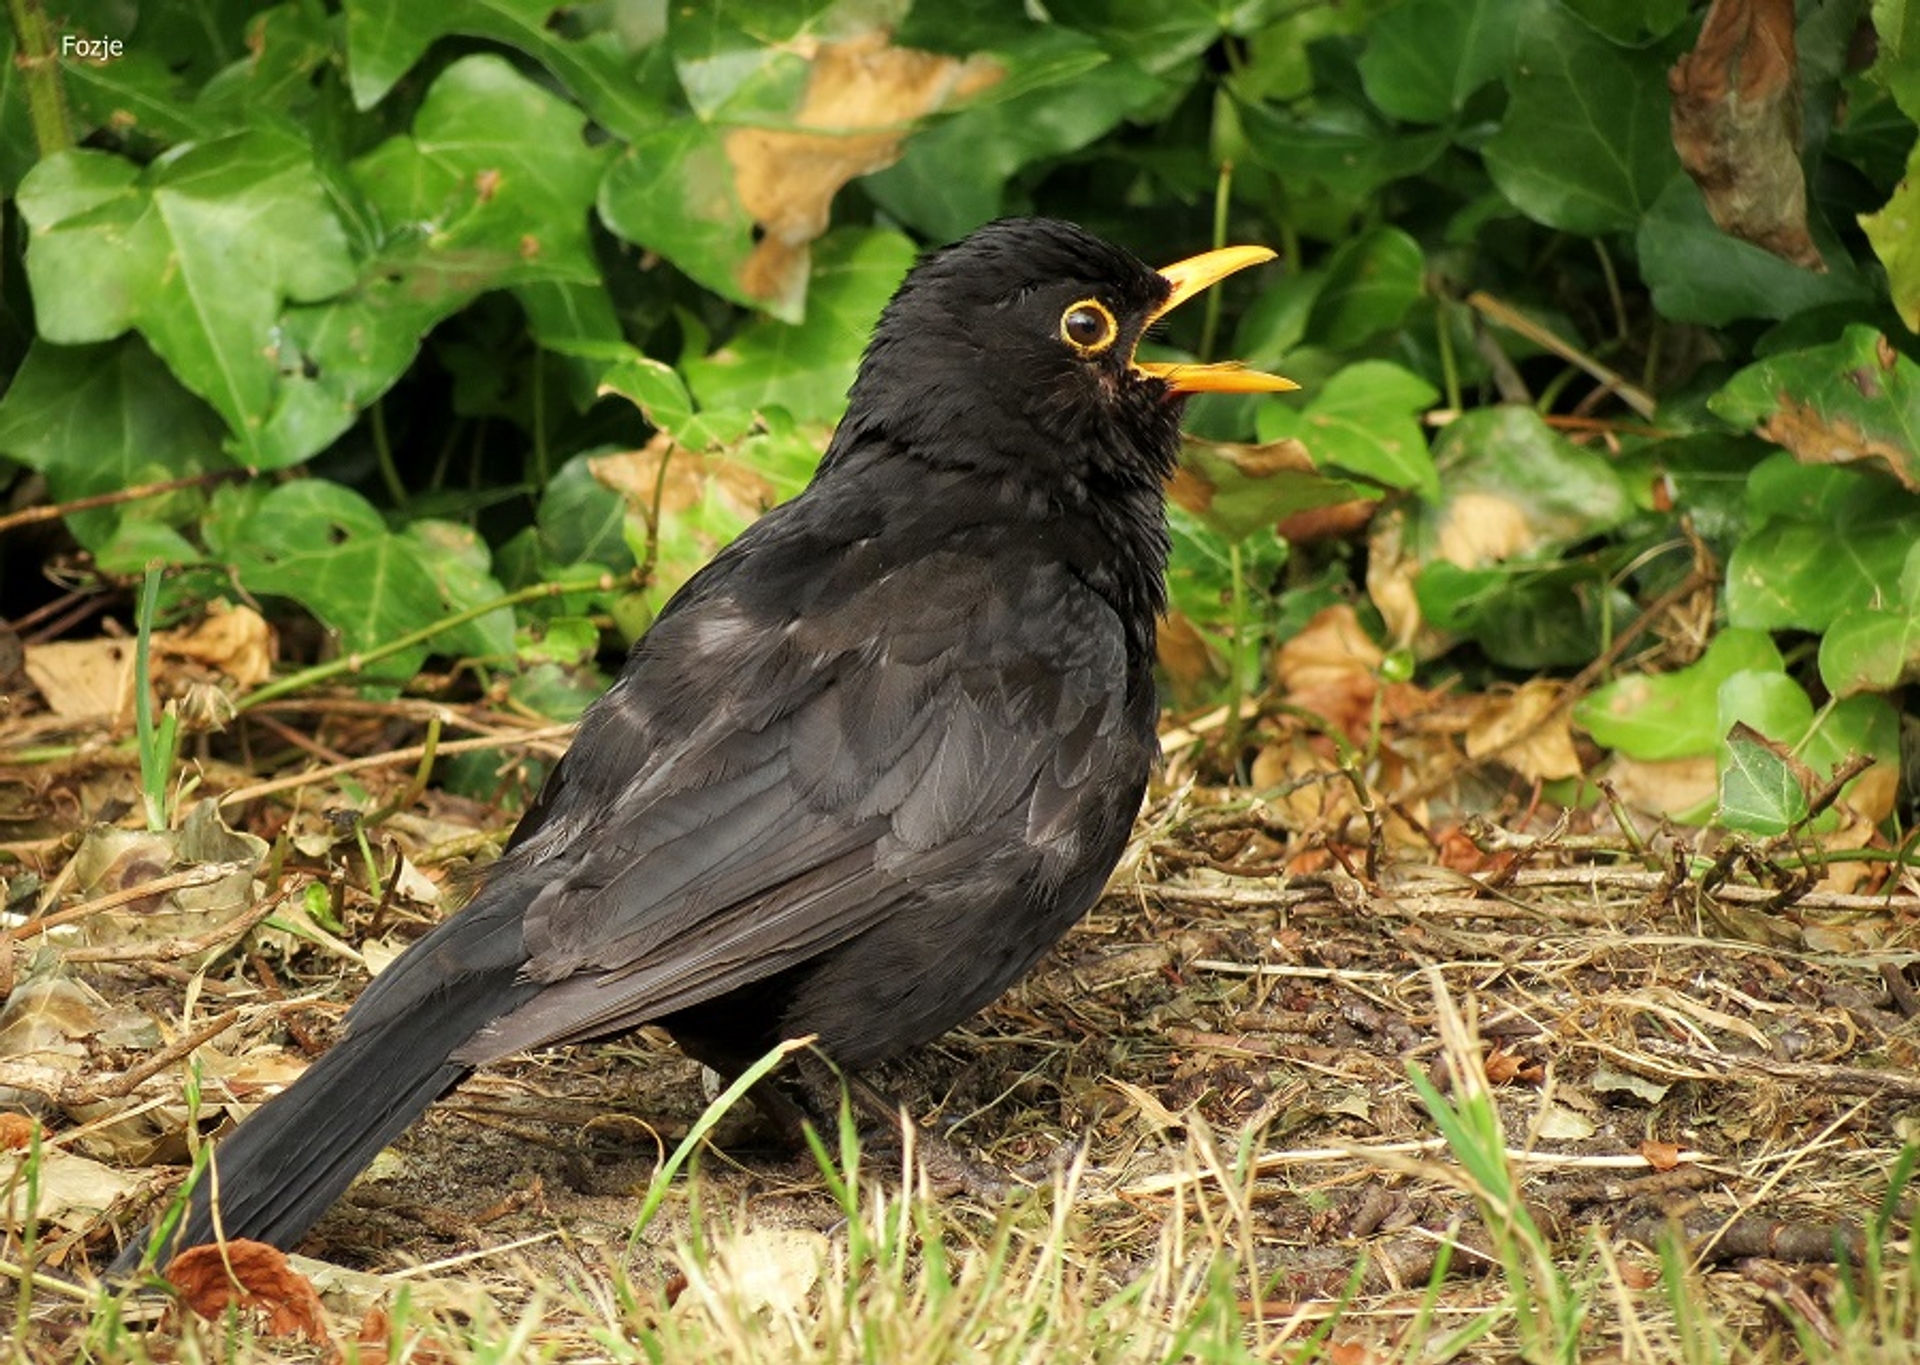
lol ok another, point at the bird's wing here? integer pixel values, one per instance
(778, 769)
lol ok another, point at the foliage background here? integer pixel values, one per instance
(473, 328)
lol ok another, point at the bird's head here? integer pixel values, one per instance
(1015, 346)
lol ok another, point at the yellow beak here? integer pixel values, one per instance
(1186, 279)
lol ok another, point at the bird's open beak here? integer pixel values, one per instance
(1188, 278)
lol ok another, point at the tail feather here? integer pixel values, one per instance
(272, 1179)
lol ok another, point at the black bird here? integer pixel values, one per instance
(867, 765)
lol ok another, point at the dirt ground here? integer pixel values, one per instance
(1677, 1037)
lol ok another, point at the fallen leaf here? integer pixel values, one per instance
(70, 1191)
(1606, 1080)
(1504, 1068)
(378, 1345)
(253, 1278)
(16, 1132)
(1557, 1123)
(771, 1270)
(1528, 729)
(84, 679)
(1331, 669)
(1677, 787)
(1184, 654)
(235, 640)
(1662, 1156)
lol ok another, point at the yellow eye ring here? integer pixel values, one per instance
(1088, 327)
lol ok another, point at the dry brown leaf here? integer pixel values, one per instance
(1318, 524)
(235, 640)
(1662, 1156)
(376, 1337)
(1184, 653)
(16, 1132)
(1668, 787)
(1736, 126)
(1528, 730)
(253, 1278)
(85, 679)
(1331, 669)
(863, 97)
(70, 1191)
(770, 1270)
(1392, 570)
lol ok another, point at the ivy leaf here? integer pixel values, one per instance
(490, 190)
(385, 38)
(672, 190)
(1828, 541)
(1876, 649)
(1894, 230)
(1362, 421)
(94, 419)
(1515, 489)
(1855, 399)
(1700, 274)
(1372, 280)
(324, 546)
(1425, 60)
(1762, 790)
(1675, 715)
(1585, 144)
(1025, 119)
(199, 253)
(806, 368)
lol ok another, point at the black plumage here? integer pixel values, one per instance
(866, 766)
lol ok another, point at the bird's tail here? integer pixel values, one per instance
(282, 1168)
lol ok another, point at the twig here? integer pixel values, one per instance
(123, 1084)
(203, 875)
(412, 754)
(29, 516)
(1514, 320)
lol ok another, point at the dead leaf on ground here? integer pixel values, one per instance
(237, 641)
(69, 1191)
(1331, 668)
(863, 98)
(1662, 1156)
(1528, 729)
(1736, 126)
(253, 1278)
(770, 1270)
(378, 1346)
(1184, 653)
(112, 860)
(89, 680)
(1665, 787)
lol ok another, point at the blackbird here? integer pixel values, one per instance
(865, 767)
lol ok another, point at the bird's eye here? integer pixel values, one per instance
(1088, 327)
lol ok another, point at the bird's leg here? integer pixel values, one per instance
(948, 1170)
(807, 1093)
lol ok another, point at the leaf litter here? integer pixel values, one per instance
(1678, 1030)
